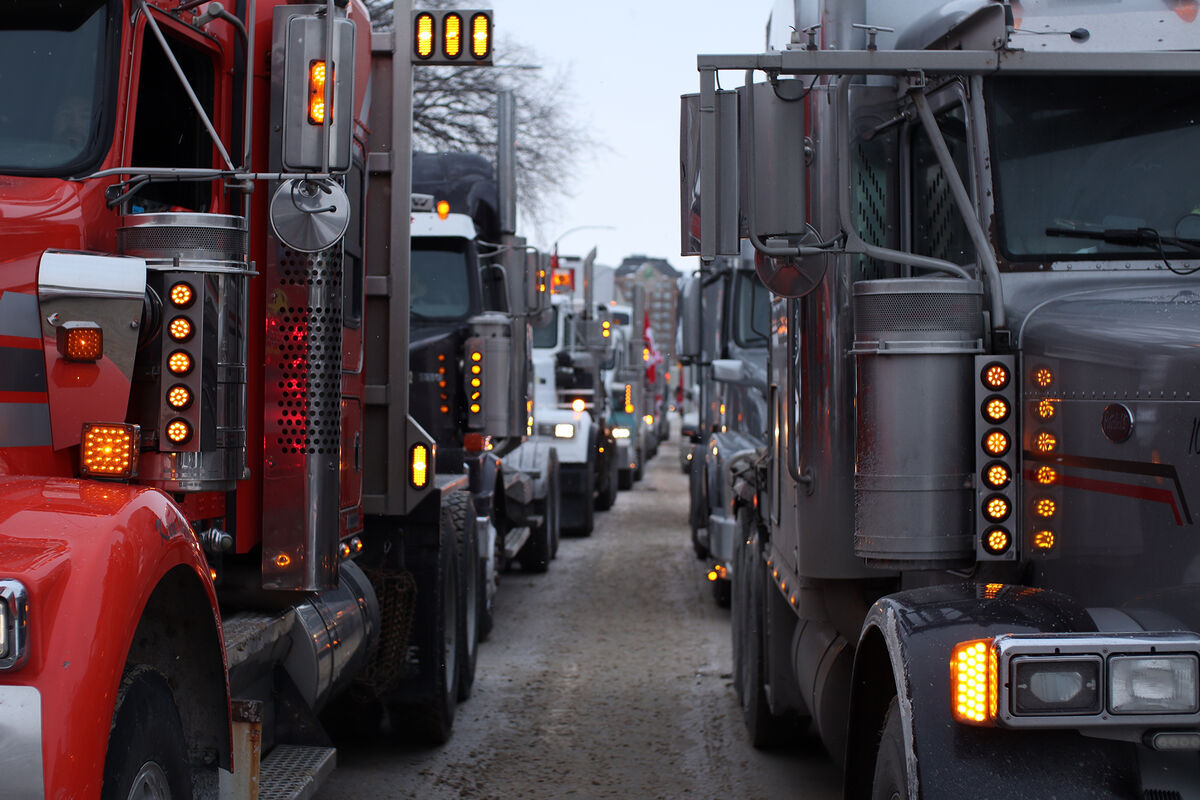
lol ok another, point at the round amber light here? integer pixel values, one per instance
(474, 408)
(182, 295)
(1044, 507)
(996, 508)
(476, 369)
(1043, 377)
(180, 329)
(996, 442)
(996, 541)
(1046, 408)
(476, 356)
(178, 431)
(1045, 442)
(179, 397)
(995, 408)
(996, 475)
(1046, 475)
(995, 375)
(1043, 539)
(179, 362)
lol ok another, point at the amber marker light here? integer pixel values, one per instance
(182, 295)
(628, 399)
(578, 405)
(423, 29)
(1043, 540)
(995, 376)
(1043, 377)
(996, 541)
(180, 329)
(418, 462)
(996, 508)
(995, 409)
(476, 408)
(179, 397)
(317, 78)
(179, 363)
(481, 36)
(995, 442)
(1046, 475)
(108, 451)
(1046, 408)
(443, 209)
(973, 682)
(452, 35)
(1044, 507)
(179, 431)
(997, 475)
(81, 342)
(1045, 442)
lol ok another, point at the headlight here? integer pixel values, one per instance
(1158, 684)
(620, 433)
(14, 622)
(564, 430)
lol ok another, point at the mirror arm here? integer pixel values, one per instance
(751, 200)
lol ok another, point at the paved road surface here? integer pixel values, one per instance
(608, 677)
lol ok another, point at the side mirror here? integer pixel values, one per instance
(299, 55)
(689, 320)
(729, 370)
(708, 224)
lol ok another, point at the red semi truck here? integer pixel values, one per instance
(215, 511)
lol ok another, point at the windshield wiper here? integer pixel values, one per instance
(1130, 237)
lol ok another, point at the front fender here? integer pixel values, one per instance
(906, 644)
(90, 555)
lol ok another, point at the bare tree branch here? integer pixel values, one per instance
(454, 110)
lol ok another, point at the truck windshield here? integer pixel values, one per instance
(547, 335)
(1093, 153)
(54, 70)
(440, 282)
(753, 311)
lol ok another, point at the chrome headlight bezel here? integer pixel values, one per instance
(14, 622)
(1109, 653)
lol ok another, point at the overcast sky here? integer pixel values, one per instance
(628, 62)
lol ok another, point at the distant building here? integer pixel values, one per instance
(659, 279)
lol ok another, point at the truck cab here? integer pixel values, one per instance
(966, 545)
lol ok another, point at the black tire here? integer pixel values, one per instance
(461, 508)
(891, 771)
(554, 503)
(697, 509)
(430, 720)
(721, 589)
(535, 555)
(765, 729)
(589, 507)
(625, 479)
(147, 753)
(608, 487)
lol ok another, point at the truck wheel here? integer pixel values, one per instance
(538, 550)
(608, 489)
(430, 720)
(461, 508)
(697, 509)
(891, 774)
(147, 755)
(554, 503)
(765, 729)
(589, 506)
(641, 459)
(721, 589)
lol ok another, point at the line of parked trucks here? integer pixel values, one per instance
(271, 421)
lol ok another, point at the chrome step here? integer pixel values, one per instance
(295, 772)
